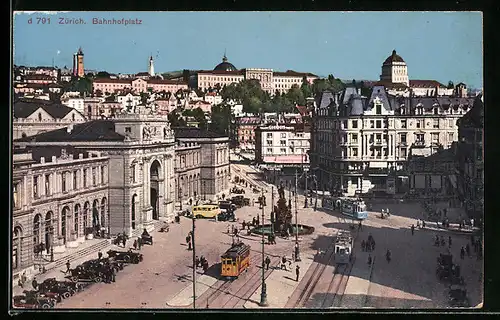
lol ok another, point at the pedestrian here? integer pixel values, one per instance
(124, 240)
(99, 255)
(244, 224)
(359, 225)
(462, 253)
(412, 229)
(373, 245)
(369, 259)
(388, 256)
(283, 263)
(197, 261)
(34, 283)
(189, 245)
(139, 243)
(467, 249)
(253, 222)
(68, 266)
(297, 273)
(449, 241)
(23, 278)
(418, 223)
(423, 224)
(363, 245)
(188, 239)
(135, 244)
(205, 266)
(227, 229)
(258, 221)
(268, 262)
(113, 274)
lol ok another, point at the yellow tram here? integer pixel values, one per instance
(235, 260)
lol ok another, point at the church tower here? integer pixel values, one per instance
(395, 70)
(151, 68)
(80, 72)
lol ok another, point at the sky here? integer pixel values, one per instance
(439, 46)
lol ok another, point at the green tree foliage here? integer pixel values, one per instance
(306, 88)
(451, 85)
(198, 115)
(221, 117)
(102, 74)
(176, 120)
(331, 83)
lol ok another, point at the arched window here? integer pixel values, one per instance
(73, 117)
(40, 116)
(23, 135)
(132, 218)
(16, 246)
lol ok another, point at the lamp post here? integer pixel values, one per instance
(204, 191)
(305, 173)
(263, 293)
(180, 197)
(297, 250)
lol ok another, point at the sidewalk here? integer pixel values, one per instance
(281, 284)
(76, 256)
(356, 291)
(185, 297)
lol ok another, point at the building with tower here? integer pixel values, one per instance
(395, 79)
(78, 70)
(225, 73)
(151, 67)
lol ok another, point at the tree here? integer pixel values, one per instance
(221, 117)
(175, 120)
(451, 85)
(306, 88)
(144, 97)
(102, 74)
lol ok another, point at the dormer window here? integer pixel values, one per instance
(378, 109)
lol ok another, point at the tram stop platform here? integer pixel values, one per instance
(185, 297)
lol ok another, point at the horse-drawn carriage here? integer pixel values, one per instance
(447, 271)
(125, 256)
(237, 190)
(33, 300)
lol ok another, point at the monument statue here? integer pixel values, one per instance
(283, 214)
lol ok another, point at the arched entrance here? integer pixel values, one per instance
(154, 174)
(64, 217)
(16, 247)
(133, 208)
(86, 209)
(103, 211)
(95, 214)
(49, 230)
(76, 220)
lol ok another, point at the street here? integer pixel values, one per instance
(408, 281)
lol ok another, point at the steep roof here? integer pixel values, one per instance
(291, 73)
(474, 118)
(96, 130)
(23, 108)
(326, 98)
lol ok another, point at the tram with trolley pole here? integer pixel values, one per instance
(343, 247)
(235, 260)
(352, 207)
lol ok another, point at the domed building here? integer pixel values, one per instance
(225, 65)
(395, 70)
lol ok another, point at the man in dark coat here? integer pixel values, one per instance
(412, 229)
(297, 273)
(34, 283)
(268, 262)
(68, 266)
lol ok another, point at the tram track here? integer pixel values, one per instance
(313, 280)
(339, 294)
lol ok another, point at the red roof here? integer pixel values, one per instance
(107, 80)
(291, 73)
(160, 81)
(425, 83)
(302, 109)
(222, 72)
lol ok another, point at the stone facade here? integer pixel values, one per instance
(361, 143)
(187, 172)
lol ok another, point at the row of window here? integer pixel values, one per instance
(283, 151)
(379, 124)
(65, 177)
